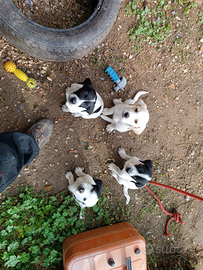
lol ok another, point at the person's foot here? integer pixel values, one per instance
(41, 131)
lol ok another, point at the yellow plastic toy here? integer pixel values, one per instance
(11, 67)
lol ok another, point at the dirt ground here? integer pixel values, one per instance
(173, 138)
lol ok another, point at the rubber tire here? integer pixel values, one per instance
(57, 44)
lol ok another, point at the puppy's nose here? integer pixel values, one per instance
(126, 115)
(73, 100)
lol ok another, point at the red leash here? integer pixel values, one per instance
(177, 216)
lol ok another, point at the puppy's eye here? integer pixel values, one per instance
(81, 189)
(135, 121)
(128, 170)
(136, 110)
(84, 199)
(73, 100)
(126, 115)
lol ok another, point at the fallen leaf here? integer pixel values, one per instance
(48, 188)
(173, 86)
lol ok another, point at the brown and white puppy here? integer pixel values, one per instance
(131, 114)
(134, 175)
(85, 189)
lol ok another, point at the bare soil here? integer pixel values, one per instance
(56, 14)
(173, 138)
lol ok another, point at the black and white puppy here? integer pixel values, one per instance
(85, 189)
(134, 175)
(82, 100)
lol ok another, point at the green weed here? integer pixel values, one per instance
(153, 22)
(200, 21)
(33, 226)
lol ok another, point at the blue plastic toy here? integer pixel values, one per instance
(120, 83)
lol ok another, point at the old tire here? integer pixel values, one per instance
(57, 44)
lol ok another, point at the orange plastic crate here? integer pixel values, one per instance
(105, 248)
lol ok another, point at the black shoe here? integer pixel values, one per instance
(41, 131)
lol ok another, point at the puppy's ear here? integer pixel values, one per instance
(146, 168)
(89, 106)
(140, 182)
(88, 82)
(98, 187)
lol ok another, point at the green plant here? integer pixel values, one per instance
(33, 226)
(153, 23)
(200, 21)
(106, 212)
(87, 148)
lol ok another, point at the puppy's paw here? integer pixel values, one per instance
(75, 114)
(109, 128)
(121, 151)
(78, 171)
(64, 108)
(69, 175)
(117, 101)
(112, 167)
(105, 111)
(127, 201)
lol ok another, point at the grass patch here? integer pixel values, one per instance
(200, 20)
(153, 20)
(33, 226)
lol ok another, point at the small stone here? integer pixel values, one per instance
(49, 79)
(192, 153)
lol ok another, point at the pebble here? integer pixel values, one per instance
(192, 153)
(49, 79)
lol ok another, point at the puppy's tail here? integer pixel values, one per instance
(140, 93)
(106, 118)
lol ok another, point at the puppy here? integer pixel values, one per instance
(82, 100)
(85, 189)
(135, 173)
(129, 115)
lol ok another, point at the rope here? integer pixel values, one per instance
(177, 190)
(177, 216)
